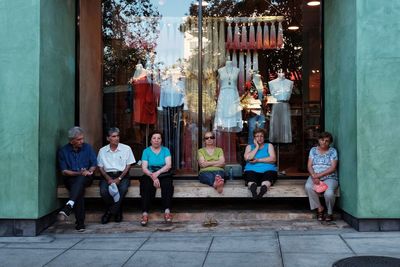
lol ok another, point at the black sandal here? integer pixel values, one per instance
(329, 218)
(263, 190)
(320, 215)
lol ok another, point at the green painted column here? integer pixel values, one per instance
(362, 92)
(37, 81)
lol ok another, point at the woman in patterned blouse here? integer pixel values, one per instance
(322, 164)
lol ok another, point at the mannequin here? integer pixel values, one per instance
(144, 101)
(228, 116)
(280, 130)
(257, 118)
(172, 104)
(140, 72)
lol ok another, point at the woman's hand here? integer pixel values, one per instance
(156, 183)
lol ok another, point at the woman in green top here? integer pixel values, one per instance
(211, 161)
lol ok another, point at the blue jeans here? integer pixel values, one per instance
(254, 122)
(208, 177)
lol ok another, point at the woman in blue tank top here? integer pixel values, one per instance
(260, 169)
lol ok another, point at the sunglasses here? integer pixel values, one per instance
(209, 137)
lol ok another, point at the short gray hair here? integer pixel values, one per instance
(74, 132)
(112, 130)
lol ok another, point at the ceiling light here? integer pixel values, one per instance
(293, 27)
(313, 3)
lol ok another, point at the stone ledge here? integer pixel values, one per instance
(194, 189)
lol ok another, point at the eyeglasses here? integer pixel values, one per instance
(209, 137)
(259, 136)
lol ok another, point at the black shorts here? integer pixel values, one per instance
(259, 177)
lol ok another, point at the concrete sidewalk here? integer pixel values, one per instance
(213, 248)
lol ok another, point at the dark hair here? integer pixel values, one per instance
(112, 130)
(156, 132)
(259, 130)
(326, 135)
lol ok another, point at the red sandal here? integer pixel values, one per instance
(168, 217)
(145, 220)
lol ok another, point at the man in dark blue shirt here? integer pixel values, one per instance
(77, 162)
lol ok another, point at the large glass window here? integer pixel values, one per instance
(249, 70)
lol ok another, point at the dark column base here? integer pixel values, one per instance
(26, 227)
(371, 225)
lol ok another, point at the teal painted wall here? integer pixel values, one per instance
(378, 94)
(362, 88)
(57, 92)
(37, 59)
(19, 108)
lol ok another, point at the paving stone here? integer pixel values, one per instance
(315, 259)
(120, 243)
(245, 244)
(55, 243)
(194, 244)
(375, 245)
(307, 243)
(243, 259)
(27, 257)
(33, 239)
(85, 258)
(166, 259)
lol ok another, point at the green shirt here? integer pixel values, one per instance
(218, 153)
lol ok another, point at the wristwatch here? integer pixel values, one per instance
(119, 178)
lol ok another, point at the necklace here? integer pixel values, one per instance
(229, 75)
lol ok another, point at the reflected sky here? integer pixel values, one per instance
(172, 8)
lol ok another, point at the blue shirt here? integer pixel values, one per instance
(72, 160)
(322, 162)
(260, 167)
(155, 161)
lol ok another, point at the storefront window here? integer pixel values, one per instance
(252, 72)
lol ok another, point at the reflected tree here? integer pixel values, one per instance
(130, 30)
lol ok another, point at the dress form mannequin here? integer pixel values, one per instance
(280, 126)
(228, 115)
(139, 72)
(144, 102)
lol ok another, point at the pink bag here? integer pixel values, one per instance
(321, 187)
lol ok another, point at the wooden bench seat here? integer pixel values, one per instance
(194, 189)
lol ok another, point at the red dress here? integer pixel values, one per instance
(144, 102)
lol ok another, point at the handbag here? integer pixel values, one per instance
(321, 187)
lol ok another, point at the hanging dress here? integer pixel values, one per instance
(241, 73)
(266, 36)
(252, 37)
(229, 39)
(243, 42)
(144, 101)
(259, 41)
(272, 38)
(280, 36)
(236, 37)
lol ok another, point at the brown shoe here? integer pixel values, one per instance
(320, 215)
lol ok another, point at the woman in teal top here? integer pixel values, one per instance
(211, 161)
(156, 163)
(260, 169)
